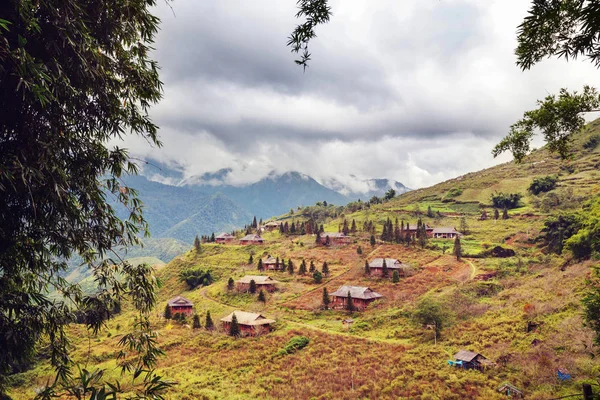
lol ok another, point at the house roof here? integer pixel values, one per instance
(357, 292)
(466, 355)
(225, 235)
(179, 301)
(390, 263)
(445, 229)
(247, 318)
(273, 223)
(332, 235)
(253, 238)
(270, 260)
(414, 227)
(258, 279)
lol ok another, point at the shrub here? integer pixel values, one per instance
(592, 142)
(295, 343)
(317, 276)
(454, 192)
(506, 200)
(195, 277)
(543, 184)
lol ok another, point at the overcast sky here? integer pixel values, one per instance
(415, 90)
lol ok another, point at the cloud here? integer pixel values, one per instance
(414, 91)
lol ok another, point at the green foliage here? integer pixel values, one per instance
(294, 344)
(290, 267)
(372, 240)
(430, 312)
(325, 268)
(349, 303)
(586, 241)
(592, 142)
(230, 284)
(395, 277)
(167, 314)
(390, 194)
(260, 265)
(317, 276)
(234, 327)
(195, 277)
(302, 269)
(457, 249)
(557, 229)
(326, 300)
(367, 268)
(197, 244)
(359, 250)
(262, 297)
(316, 12)
(591, 305)
(506, 200)
(543, 184)
(252, 288)
(196, 322)
(251, 260)
(209, 324)
(384, 269)
(454, 192)
(557, 119)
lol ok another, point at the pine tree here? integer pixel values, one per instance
(251, 260)
(327, 241)
(496, 214)
(372, 240)
(230, 284)
(430, 213)
(254, 223)
(196, 322)
(423, 236)
(212, 238)
(197, 244)
(168, 314)
(326, 299)
(345, 229)
(367, 268)
(325, 269)
(317, 276)
(290, 267)
(505, 214)
(384, 269)
(209, 324)
(260, 265)
(464, 228)
(318, 238)
(234, 327)
(359, 250)
(293, 228)
(457, 251)
(261, 296)
(312, 267)
(252, 288)
(353, 227)
(277, 264)
(302, 269)
(349, 302)
(395, 276)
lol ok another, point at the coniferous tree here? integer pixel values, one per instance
(230, 284)
(430, 213)
(290, 267)
(457, 251)
(234, 327)
(464, 228)
(212, 238)
(345, 228)
(423, 236)
(260, 265)
(277, 264)
(395, 276)
(326, 300)
(349, 303)
(407, 238)
(302, 269)
(281, 229)
(197, 244)
(262, 297)
(286, 228)
(327, 241)
(251, 260)
(325, 269)
(367, 268)
(496, 214)
(168, 314)
(312, 267)
(321, 230)
(209, 324)
(372, 240)
(317, 276)
(318, 238)
(260, 222)
(505, 214)
(293, 228)
(252, 288)
(196, 322)
(359, 250)
(353, 227)
(384, 269)
(254, 223)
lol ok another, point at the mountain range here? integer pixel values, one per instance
(182, 207)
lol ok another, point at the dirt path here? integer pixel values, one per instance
(473, 270)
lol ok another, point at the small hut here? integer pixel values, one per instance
(376, 267)
(270, 263)
(252, 239)
(224, 238)
(181, 305)
(510, 390)
(335, 238)
(270, 226)
(470, 360)
(263, 282)
(251, 324)
(361, 297)
(445, 233)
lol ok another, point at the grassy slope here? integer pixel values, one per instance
(384, 354)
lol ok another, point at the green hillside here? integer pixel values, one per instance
(522, 312)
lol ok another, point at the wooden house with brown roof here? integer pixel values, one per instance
(270, 263)
(271, 226)
(445, 233)
(224, 238)
(181, 305)
(252, 239)
(471, 360)
(376, 267)
(265, 283)
(413, 229)
(361, 297)
(251, 324)
(335, 238)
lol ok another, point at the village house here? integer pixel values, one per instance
(412, 229)
(335, 238)
(376, 267)
(470, 360)
(270, 263)
(361, 297)
(251, 324)
(271, 226)
(265, 283)
(252, 239)
(181, 305)
(445, 233)
(224, 238)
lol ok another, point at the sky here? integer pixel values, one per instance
(418, 91)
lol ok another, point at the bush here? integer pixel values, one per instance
(543, 184)
(592, 142)
(506, 200)
(195, 277)
(454, 192)
(296, 343)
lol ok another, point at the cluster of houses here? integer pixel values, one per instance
(225, 238)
